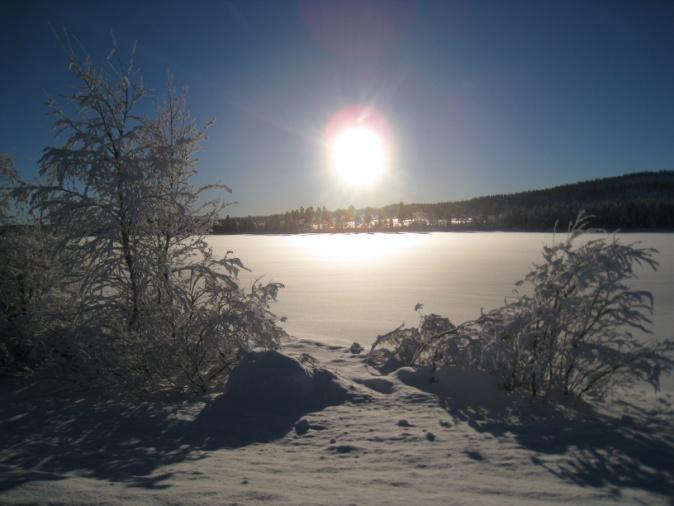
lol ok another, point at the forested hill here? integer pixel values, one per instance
(642, 200)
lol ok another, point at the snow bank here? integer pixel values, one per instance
(271, 381)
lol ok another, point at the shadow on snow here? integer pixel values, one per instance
(47, 436)
(570, 438)
(44, 437)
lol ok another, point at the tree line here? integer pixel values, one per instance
(642, 200)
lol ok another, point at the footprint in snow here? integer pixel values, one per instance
(475, 455)
(343, 448)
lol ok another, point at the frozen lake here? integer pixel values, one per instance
(345, 288)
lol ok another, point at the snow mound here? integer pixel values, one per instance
(381, 385)
(459, 387)
(271, 381)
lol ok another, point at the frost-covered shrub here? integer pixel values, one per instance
(435, 341)
(29, 291)
(154, 307)
(27, 301)
(15, 294)
(571, 331)
(194, 339)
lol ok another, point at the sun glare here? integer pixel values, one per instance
(358, 156)
(351, 249)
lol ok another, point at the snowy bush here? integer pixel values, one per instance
(434, 342)
(8, 177)
(154, 307)
(15, 293)
(29, 297)
(571, 331)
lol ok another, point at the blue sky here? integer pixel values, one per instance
(481, 97)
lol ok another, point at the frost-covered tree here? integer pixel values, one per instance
(155, 306)
(93, 187)
(570, 331)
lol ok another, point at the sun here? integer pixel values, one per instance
(358, 155)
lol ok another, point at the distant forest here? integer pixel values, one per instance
(640, 201)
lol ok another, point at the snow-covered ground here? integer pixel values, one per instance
(352, 287)
(336, 432)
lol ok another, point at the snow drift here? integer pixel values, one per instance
(266, 394)
(271, 381)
